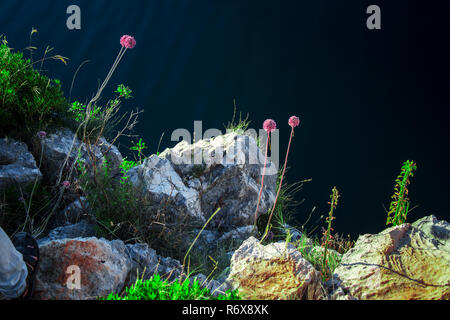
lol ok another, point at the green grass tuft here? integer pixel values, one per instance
(157, 289)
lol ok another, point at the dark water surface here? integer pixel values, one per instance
(368, 100)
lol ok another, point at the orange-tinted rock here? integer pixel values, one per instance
(103, 268)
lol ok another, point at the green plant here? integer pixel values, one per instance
(78, 111)
(156, 289)
(313, 251)
(399, 206)
(114, 205)
(283, 211)
(338, 242)
(327, 234)
(99, 121)
(198, 235)
(126, 166)
(139, 147)
(124, 92)
(20, 211)
(238, 126)
(29, 101)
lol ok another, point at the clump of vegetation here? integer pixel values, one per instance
(156, 289)
(313, 251)
(20, 210)
(399, 206)
(282, 211)
(327, 234)
(101, 121)
(239, 126)
(29, 101)
(338, 242)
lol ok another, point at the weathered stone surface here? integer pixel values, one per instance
(210, 240)
(226, 172)
(145, 263)
(438, 230)
(275, 271)
(73, 213)
(400, 263)
(335, 291)
(82, 229)
(103, 267)
(216, 287)
(17, 165)
(238, 235)
(58, 145)
(295, 234)
(157, 178)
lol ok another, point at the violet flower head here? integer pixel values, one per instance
(269, 125)
(41, 134)
(294, 121)
(66, 184)
(128, 42)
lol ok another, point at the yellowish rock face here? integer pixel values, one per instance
(273, 279)
(273, 272)
(400, 263)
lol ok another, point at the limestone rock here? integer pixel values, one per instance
(216, 287)
(17, 165)
(157, 179)
(82, 229)
(406, 262)
(226, 172)
(145, 262)
(273, 272)
(75, 212)
(56, 146)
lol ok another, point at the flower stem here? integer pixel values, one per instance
(281, 184)
(262, 179)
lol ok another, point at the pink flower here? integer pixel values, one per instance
(294, 121)
(41, 134)
(269, 125)
(128, 42)
(66, 184)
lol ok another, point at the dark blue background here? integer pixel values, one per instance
(368, 100)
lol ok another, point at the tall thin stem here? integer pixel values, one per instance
(262, 180)
(280, 185)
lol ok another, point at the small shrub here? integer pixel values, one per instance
(99, 121)
(29, 101)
